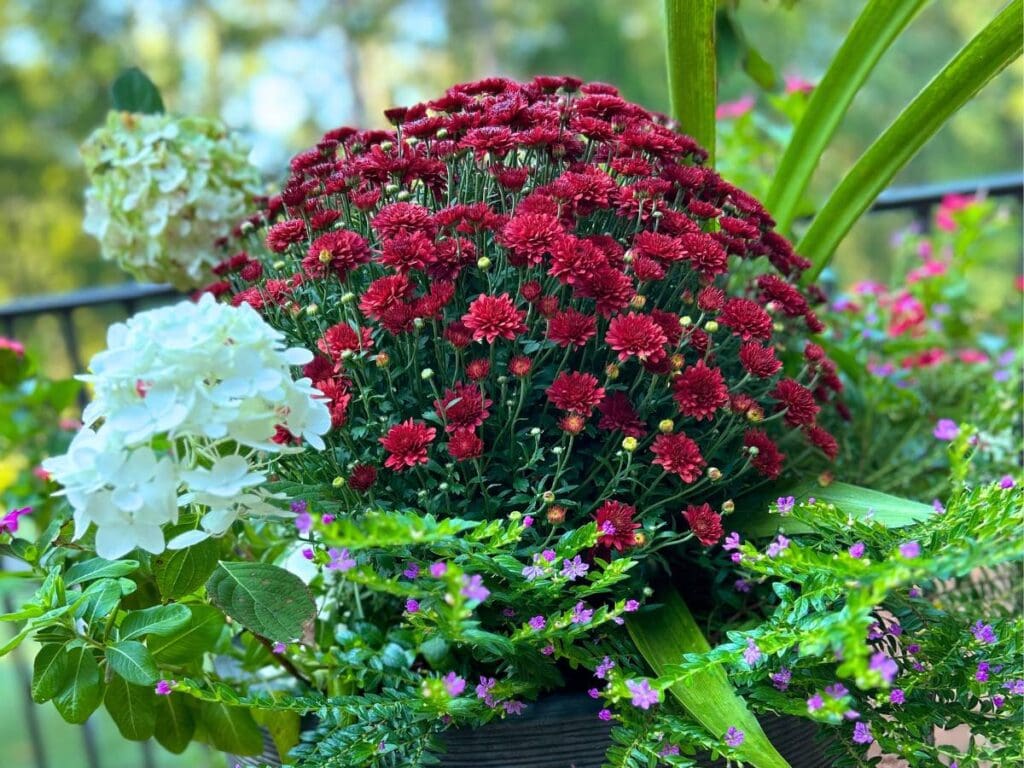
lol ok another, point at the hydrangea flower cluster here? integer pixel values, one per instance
(188, 402)
(537, 297)
(163, 189)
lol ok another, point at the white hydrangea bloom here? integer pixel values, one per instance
(163, 189)
(187, 401)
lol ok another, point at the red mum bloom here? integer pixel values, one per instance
(571, 327)
(530, 291)
(339, 251)
(576, 392)
(492, 316)
(705, 523)
(464, 444)
(403, 218)
(798, 402)
(700, 391)
(654, 245)
(704, 253)
(647, 270)
(337, 398)
(284, 233)
(617, 414)
(768, 459)
(638, 335)
(573, 260)
(407, 443)
(362, 477)
(520, 366)
(823, 440)
(747, 319)
(774, 288)
(383, 294)
(669, 322)
(679, 455)
(759, 361)
(710, 298)
(530, 237)
(478, 370)
(463, 407)
(572, 423)
(344, 338)
(611, 289)
(458, 334)
(615, 526)
(408, 251)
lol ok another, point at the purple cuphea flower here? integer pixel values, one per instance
(734, 736)
(815, 703)
(1006, 482)
(910, 550)
(341, 560)
(983, 633)
(438, 569)
(602, 670)
(164, 687)
(412, 606)
(605, 715)
(575, 568)
(857, 550)
(453, 684)
(896, 696)
(862, 734)
(751, 654)
(473, 588)
(642, 694)
(781, 678)
(538, 623)
(778, 546)
(884, 666)
(581, 614)
(946, 429)
(785, 504)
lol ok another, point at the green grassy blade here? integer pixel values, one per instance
(878, 25)
(690, 39)
(985, 56)
(662, 636)
(753, 516)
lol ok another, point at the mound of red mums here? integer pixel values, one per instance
(536, 298)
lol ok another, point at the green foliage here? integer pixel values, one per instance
(692, 83)
(263, 598)
(132, 91)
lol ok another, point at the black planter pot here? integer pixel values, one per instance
(563, 731)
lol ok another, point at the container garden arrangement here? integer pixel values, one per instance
(517, 399)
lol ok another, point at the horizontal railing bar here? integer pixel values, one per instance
(914, 198)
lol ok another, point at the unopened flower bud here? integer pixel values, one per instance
(755, 414)
(278, 265)
(557, 450)
(629, 444)
(247, 227)
(535, 431)
(753, 450)
(648, 591)
(483, 263)
(628, 258)
(825, 479)
(348, 297)
(382, 359)
(640, 538)
(714, 473)
(548, 497)
(417, 323)
(686, 321)
(338, 482)
(443, 487)
(427, 373)
(386, 145)
(728, 506)
(442, 133)
(638, 301)
(347, 354)
(313, 309)
(678, 362)
(771, 306)
(612, 371)
(778, 327)
(711, 326)
(391, 188)
(556, 514)
(665, 426)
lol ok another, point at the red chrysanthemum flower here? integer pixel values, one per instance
(768, 459)
(407, 444)
(478, 370)
(318, 369)
(747, 319)
(520, 366)
(669, 322)
(615, 525)
(337, 398)
(679, 455)
(530, 237)
(617, 414)
(572, 423)
(797, 401)
(700, 391)
(284, 233)
(576, 392)
(362, 477)
(339, 251)
(403, 219)
(463, 407)
(705, 523)
(704, 253)
(654, 245)
(759, 361)
(344, 338)
(465, 444)
(406, 252)
(813, 353)
(530, 291)
(610, 289)
(647, 270)
(636, 335)
(786, 297)
(823, 441)
(573, 260)
(458, 334)
(490, 317)
(571, 327)
(710, 298)
(383, 294)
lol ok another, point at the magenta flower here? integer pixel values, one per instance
(278, 648)
(9, 522)
(412, 606)
(730, 110)
(1006, 482)
(538, 623)
(605, 715)
(815, 703)
(574, 569)
(438, 569)
(631, 606)
(862, 734)
(412, 570)
(454, 684)
(857, 550)
(643, 695)
(946, 429)
(734, 736)
(473, 588)
(341, 560)
(164, 687)
(910, 550)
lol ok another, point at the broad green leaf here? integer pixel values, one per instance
(263, 598)
(175, 724)
(183, 571)
(158, 620)
(284, 728)
(101, 597)
(83, 692)
(132, 661)
(191, 641)
(230, 729)
(985, 56)
(878, 25)
(690, 39)
(662, 636)
(36, 623)
(98, 568)
(50, 672)
(755, 515)
(132, 708)
(132, 91)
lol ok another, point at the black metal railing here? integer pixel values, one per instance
(120, 301)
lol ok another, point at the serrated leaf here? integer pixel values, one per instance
(98, 568)
(132, 91)
(132, 708)
(198, 635)
(662, 636)
(50, 672)
(83, 692)
(158, 620)
(230, 729)
(132, 661)
(263, 598)
(183, 571)
(175, 723)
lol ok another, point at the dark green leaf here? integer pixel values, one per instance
(175, 724)
(132, 91)
(132, 708)
(196, 637)
(263, 598)
(101, 597)
(132, 661)
(284, 728)
(50, 672)
(98, 568)
(230, 729)
(83, 692)
(183, 571)
(158, 620)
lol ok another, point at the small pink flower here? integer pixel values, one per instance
(164, 687)
(730, 110)
(797, 84)
(951, 204)
(9, 522)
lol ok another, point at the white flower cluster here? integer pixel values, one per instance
(187, 401)
(163, 189)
